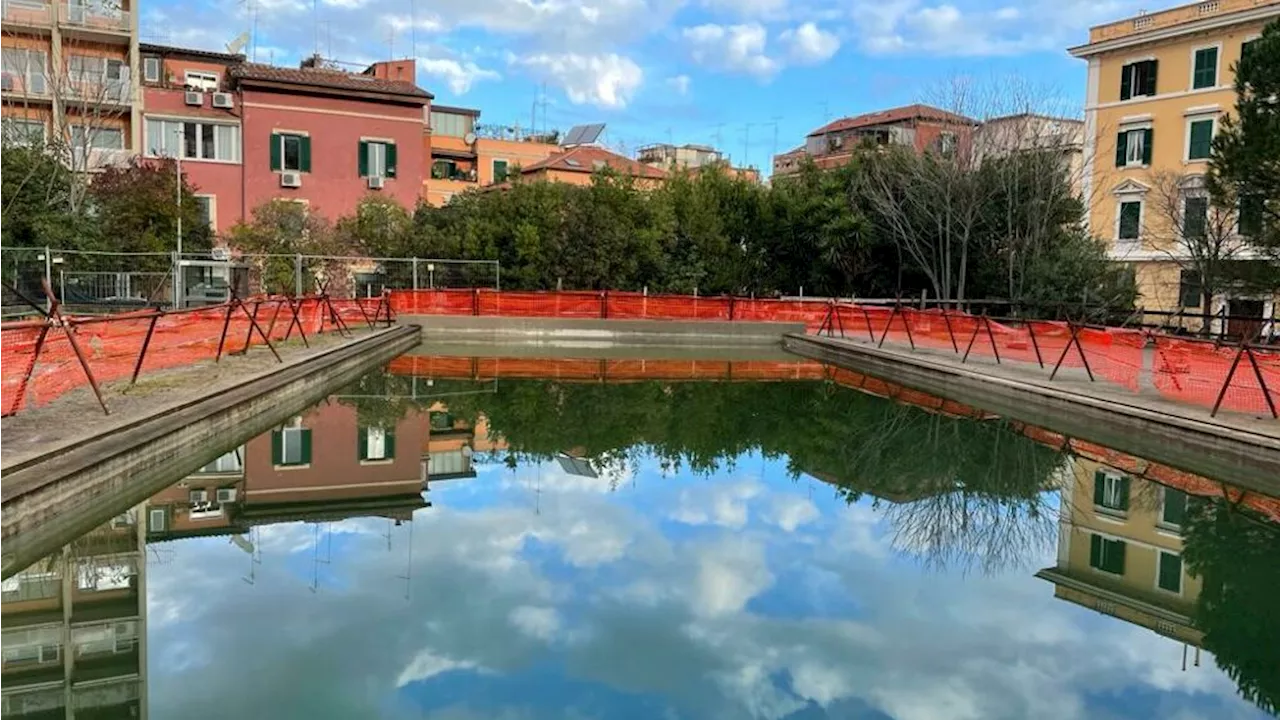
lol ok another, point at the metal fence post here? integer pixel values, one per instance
(297, 275)
(48, 276)
(414, 260)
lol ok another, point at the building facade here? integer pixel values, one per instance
(1024, 132)
(576, 165)
(1158, 87)
(464, 157)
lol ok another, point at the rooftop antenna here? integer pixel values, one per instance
(775, 120)
(413, 29)
(826, 111)
(719, 135)
(746, 145)
(670, 141)
(391, 44)
(252, 7)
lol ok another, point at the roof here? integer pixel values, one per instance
(589, 158)
(1016, 116)
(150, 49)
(455, 110)
(894, 115)
(328, 79)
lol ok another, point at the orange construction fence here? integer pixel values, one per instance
(38, 361)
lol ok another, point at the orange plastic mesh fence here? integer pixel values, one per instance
(112, 344)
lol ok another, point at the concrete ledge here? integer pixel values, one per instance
(64, 491)
(1222, 450)
(656, 350)
(598, 332)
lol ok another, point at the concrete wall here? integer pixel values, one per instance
(54, 497)
(596, 333)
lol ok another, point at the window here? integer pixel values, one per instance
(1106, 555)
(37, 646)
(1205, 68)
(1130, 220)
(291, 444)
(204, 81)
(1247, 48)
(98, 574)
(947, 143)
(194, 140)
(290, 152)
(376, 443)
(377, 159)
(1200, 139)
(1169, 574)
(1250, 219)
(1138, 79)
(452, 124)
(97, 138)
(1111, 490)
(157, 520)
(1195, 216)
(25, 70)
(115, 638)
(1133, 147)
(1189, 289)
(499, 170)
(151, 69)
(208, 215)
(228, 462)
(1173, 507)
(25, 133)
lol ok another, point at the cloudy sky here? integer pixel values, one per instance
(532, 594)
(756, 75)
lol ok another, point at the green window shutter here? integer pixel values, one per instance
(362, 159)
(1122, 148)
(391, 445)
(304, 154)
(1124, 493)
(1250, 219)
(1130, 220)
(277, 447)
(1201, 140)
(1194, 217)
(1175, 506)
(1099, 487)
(1095, 551)
(1150, 85)
(306, 447)
(1170, 572)
(362, 443)
(1148, 139)
(1206, 70)
(1115, 556)
(391, 159)
(275, 152)
(1126, 86)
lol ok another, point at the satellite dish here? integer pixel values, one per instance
(243, 543)
(235, 46)
(469, 138)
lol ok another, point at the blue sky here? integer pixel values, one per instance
(742, 72)
(742, 594)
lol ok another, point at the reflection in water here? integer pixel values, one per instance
(657, 549)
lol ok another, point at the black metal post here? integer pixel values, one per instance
(146, 341)
(947, 319)
(1262, 383)
(990, 335)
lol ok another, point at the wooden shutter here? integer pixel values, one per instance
(1206, 72)
(1122, 148)
(1150, 84)
(277, 447)
(1095, 551)
(1148, 137)
(1100, 478)
(304, 154)
(1115, 556)
(275, 152)
(1201, 139)
(1175, 506)
(390, 443)
(390, 159)
(1126, 87)
(306, 447)
(1170, 572)
(362, 436)
(362, 159)
(1124, 492)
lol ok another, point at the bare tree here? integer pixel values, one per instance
(1199, 235)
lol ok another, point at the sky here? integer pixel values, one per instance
(749, 76)
(531, 593)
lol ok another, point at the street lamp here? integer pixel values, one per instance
(431, 275)
(177, 268)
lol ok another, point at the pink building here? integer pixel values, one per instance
(248, 133)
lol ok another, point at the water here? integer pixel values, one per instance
(655, 549)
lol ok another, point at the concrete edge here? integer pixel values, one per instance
(78, 454)
(1151, 416)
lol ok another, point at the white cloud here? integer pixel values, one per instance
(607, 80)
(723, 504)
(426, 664)
(542, 623)
(735, 48)
(458, 75)
(753, 9)
(809, 44)
(730, 573)
(680, 84)
(790, 512)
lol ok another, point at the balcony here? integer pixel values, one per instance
(27, 14)
(1169, 18)
(95, 21)
(28, 86)
(98, 92)
(99, 158)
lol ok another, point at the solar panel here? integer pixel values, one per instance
(584, 134)
(576, 466)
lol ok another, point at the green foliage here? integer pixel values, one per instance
(1234, 552)
(39, 203)
(137, 209)
(285, 229)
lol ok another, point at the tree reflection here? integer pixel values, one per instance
(1237, 554)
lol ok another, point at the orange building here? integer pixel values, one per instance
(462, 160)
(577, 164)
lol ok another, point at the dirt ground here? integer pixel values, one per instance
(77, 415)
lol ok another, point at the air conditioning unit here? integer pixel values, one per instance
(223, 100)
(376, 182)
(194, 98)
(291, 179)
(226, 495)
(198, 497)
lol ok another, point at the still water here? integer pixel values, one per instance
(437, 541)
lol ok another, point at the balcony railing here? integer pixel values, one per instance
(110, 92)
(94, 18)
(28, 12)
(30, 85)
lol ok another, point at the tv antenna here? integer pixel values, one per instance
(252, 7)
(236, 46)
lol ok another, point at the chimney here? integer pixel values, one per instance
(311, 63)
(402, 70)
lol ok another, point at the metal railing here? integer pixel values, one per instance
(94, 17)
(28, 12)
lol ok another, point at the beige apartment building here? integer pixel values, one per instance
(1120, 550)
(1158, 87)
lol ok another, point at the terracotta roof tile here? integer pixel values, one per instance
(899, 114)
(589, 158)
(324, 78)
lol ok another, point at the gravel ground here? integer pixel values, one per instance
(77, 415)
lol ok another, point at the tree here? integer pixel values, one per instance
(136, 206)
(1244, 163)
(38, 209)
(278, 232)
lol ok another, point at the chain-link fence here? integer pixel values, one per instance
(85, 282)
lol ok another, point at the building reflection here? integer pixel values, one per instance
(75, 628)
(1120, 550)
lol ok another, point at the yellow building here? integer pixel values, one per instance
(1158, 86)
(1120, 551)
(462, 160)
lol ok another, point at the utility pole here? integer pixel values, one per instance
(746, 145)
(177, 268)
(774, 151)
